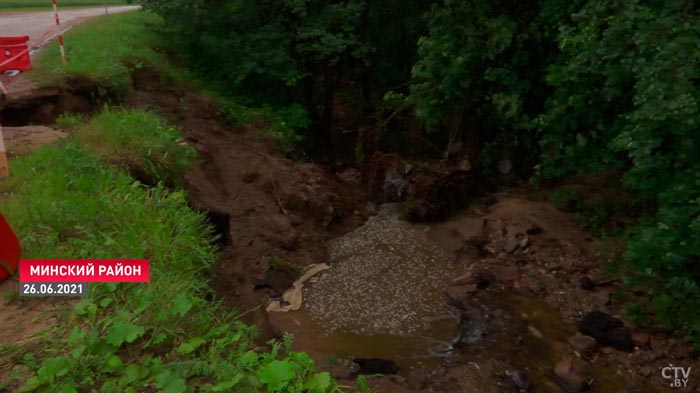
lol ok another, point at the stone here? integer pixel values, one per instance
(518, 379)
(350, 176)
(369, 366)
(535, 332)
(472, 331)
(601, 298)
(523, 243)
(641, 339)
(573, 374)
(584, 345)
(512, 244)
(607, 330)
(586, 283)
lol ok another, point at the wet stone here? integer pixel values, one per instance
(572, 374)
(517, 379)
(607, 330)
(640, 339)
(370, 366)
(585, 345)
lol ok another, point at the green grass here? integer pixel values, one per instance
(105, 50)
(139, 141)
(65, 202)
(77, 200)
(16, 5)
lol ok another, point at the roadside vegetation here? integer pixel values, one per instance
(557, 88)
(131, 44)
(69, 202)
(138, 141)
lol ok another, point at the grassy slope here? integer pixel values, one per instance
(73, 201)
(105, 50)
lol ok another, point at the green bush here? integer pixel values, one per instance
(485, 60)
(627, 98)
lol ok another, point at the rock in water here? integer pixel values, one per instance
(369, 366)
(585, 345)
(607, 330)
(572, 374)
(518, 379)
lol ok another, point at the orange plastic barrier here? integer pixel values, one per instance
(14, 53)
(10, 250)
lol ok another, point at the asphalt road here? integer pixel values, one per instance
(35, 23)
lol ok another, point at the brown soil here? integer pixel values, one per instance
(271, 211)
(23, 140)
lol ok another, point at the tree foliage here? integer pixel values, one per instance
(627, 97)
(486, 59)
(558, 87)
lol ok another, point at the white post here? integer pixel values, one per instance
(4, 168)
(60, 35)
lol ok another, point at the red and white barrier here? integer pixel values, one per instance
(4, 168)
(60, 35)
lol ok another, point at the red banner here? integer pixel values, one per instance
(47, 270)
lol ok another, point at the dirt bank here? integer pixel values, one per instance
(274, 214)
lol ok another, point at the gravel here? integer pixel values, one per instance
(385, 278)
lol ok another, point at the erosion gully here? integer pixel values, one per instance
(470, 304)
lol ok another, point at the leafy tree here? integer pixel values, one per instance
(627, 97)
(277, 52)
(486, 60)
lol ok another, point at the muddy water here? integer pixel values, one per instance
(384, 297)
(544, 343)
(408, 351)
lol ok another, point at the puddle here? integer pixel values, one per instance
(537, 355)
(383, 297)
(406, 351)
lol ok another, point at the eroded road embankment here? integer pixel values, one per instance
(475, 303)
(511, 269)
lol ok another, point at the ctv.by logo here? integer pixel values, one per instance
(679, 376)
